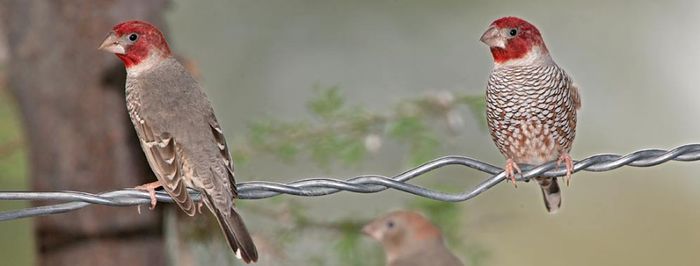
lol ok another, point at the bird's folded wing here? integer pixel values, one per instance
(224, 154)
(162, 152)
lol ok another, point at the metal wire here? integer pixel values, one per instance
(314, 187)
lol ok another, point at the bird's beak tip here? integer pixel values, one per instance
(111, 44)
(491, 38)
(366, 230)
(483, 37)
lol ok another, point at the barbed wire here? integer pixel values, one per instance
(314, 187)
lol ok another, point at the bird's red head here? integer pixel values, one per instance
(512, 38)
(136, 41)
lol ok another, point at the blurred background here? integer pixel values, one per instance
(344, 88)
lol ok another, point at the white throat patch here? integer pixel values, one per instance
(149, 62)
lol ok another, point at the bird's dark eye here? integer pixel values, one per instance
(513, 32)
(390, 224)
(133, 37)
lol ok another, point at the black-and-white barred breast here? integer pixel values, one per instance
(531, 112)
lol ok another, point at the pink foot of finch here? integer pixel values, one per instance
(199, 207)
(511, 169)
(151, 189)
(569, 163)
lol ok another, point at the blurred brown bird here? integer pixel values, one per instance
(409, 239)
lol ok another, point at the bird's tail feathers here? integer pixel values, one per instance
(235, 232)
(551, 193)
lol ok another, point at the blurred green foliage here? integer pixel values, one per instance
(337, 132)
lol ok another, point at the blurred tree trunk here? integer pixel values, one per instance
(72, 99)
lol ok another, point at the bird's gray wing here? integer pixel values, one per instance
(224, 156)
(162, 152)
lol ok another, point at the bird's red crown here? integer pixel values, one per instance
(142, 39)
(518, 36)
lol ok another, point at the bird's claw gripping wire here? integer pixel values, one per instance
(151, 189)
(569, 163)
(511, 169)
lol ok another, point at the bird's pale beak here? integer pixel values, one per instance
(111, 44)
(492, 38)
(367, 230)
(371, 231)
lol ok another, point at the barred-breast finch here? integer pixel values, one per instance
(409, 239)
(531, 103)
(179, 133)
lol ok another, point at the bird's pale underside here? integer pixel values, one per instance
(531, 114)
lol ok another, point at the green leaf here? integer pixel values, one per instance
(353, 150)
(287, 151)
(327, 102)
(406, 127)
(259, 132)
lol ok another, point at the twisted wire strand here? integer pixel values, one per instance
(314, 187)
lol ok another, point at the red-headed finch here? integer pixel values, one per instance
(409, 239)
(179, 133)
(531, 103)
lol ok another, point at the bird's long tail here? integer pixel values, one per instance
(550, 192)
(236, 233)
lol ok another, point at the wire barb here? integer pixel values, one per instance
(315, 187)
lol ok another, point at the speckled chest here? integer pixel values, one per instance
(531, 112)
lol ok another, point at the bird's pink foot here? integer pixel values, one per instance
(569, 163)
(199, 207)
(151, 189)
(510, 169)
